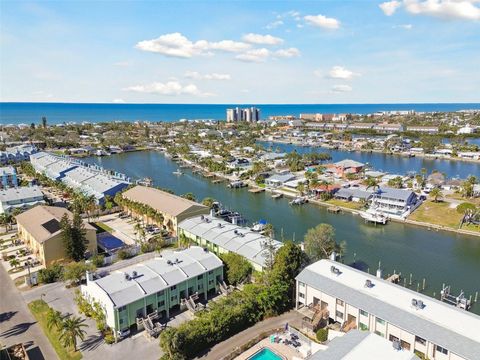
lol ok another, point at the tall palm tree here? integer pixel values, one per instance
(54, 319)
(71, 330)
(436, 193)
(14, 263)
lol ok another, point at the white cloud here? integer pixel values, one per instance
(262, 39)
(339, 72)
(274, 24)
(287, 53)
(341, 88)
(449, 9)
(122, 63)
(254, 55)
(322, 21)
(118, 101)
(404, 26)
(169, 88)
(177, 45)
(390, 7)
(213, 76)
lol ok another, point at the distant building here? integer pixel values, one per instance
(388, 128)
(156, 286)
(423, 129)
(17, 154)
(347, 166)
(173, 208)
(8, 176)
(395, 202)
(222, 237)
(312, 117)
(467, 129)
(412, 321)
(20, 198)
(237, 114)
(40, 229)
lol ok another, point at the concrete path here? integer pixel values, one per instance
(17, 324)
(224, 348)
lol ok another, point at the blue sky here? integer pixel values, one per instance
(240, 51)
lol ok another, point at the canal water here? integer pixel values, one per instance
(440, 257)
(393, 164)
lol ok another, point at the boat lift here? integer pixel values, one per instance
(459, 301)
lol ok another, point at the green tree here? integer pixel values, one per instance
(73, 236)
(320, 242)
(189, 196)
(14, 263)
(435, 193)
(54, 319)
(73, 328)
(237, 269)
(75, 271)
(208, 201)
(44, 122)
(371, 182)
(465, 208)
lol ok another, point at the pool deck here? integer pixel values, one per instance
(286, 352)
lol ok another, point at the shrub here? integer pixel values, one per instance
(50, 274)
(122, 254)
(146, 247)
(97, 260)
(109, 339)
(322, 334)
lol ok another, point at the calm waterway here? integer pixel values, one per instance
(440, 257)
(393, 164)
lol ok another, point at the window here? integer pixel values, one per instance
(339, 302)
(161, 303)
(301, 295)
(121, 321)
(339, 314)
(200, 277)
(405, 345)
(420, 340)
(210, 282)
(380, 333)
(210, 272)
(380, 321)
(173, 287)
(362, 326)
(173, 298)
(160, 293)
(122, 308)
(200, 286)
(363, 312)
(441, 350)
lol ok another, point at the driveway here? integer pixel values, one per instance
(60, 298)
(17, 324)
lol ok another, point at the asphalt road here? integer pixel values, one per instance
(17, 324)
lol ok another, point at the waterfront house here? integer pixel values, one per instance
(20, 198)
(353, 194)
(221, 237)
(415, 322)
(39, 228)
(279, 180)
(347, 166)
(398, 203)
(156, 286)
(173, 208)
(388, 128)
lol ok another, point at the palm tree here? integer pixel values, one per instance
(371, 182)
(436, 193)
(71, 329)
(54, 319)
(14, 263)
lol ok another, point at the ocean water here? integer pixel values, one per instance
(26, 113)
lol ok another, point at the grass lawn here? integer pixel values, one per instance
(102, 227)
(437, 213)
(39, 309)
(347, 204)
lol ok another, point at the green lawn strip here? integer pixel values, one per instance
(39, 309)
(439, 213)
(346, 204)
(102, 227)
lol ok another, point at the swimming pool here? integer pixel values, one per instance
(108, 242)
(265, 354)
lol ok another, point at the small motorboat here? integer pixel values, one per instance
(298, 201)
(374, 217)
(178, 172)
(259, 226)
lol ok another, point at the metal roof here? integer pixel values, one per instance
(442, 324)
(360, 345)
(160, 273)
(231, 237)
(396, 194)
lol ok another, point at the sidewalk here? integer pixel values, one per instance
(224, 348)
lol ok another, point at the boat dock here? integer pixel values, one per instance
(334, 209)
(256, 190)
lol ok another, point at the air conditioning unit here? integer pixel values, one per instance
(396, 345)
(134, 274)
(368, 283)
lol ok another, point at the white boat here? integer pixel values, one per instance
(178, 172)
(259, 226)
(298, 201)
(375, 218)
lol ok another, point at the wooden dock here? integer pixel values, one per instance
(217, 181)
(334, 209)
(256, 190)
